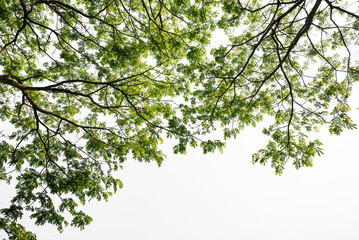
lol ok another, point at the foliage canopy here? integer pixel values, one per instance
(84, 84)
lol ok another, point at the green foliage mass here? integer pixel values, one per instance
(85, 84)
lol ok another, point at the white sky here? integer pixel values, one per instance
(224, 196)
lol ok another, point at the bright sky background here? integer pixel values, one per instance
(224, 196)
